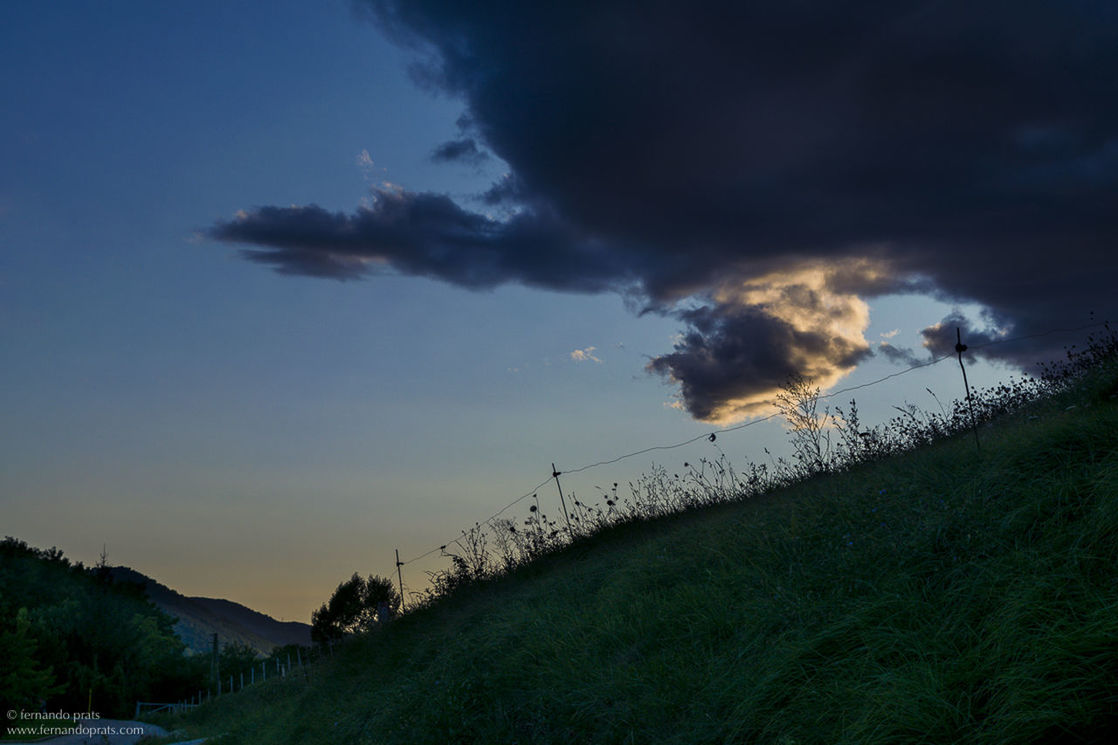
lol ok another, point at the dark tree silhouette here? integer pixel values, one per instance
(356, 605)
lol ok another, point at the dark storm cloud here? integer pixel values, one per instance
(970, 149)
(426, 235)
(731, 358)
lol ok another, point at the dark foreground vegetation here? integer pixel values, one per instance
(885, 586)
(70, 637)
(74, 639)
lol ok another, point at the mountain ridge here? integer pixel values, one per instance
(198, 618)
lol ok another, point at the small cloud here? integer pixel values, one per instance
(890, 334)
(462, 151)
(368, 167)
(899, 355)
(584, 355)
(940, 338)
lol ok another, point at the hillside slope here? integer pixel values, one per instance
(946, 596)
(199, 618)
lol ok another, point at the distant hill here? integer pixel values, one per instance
(198, 618)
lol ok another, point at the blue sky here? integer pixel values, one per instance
(242, 433)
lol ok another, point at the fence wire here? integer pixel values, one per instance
(712, 435)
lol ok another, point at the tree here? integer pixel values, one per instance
(356, 605)
(23, 683)
(236, 658)
(97, 637)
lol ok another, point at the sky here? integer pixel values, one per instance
(287, 287)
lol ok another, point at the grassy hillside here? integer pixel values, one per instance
(942, 596)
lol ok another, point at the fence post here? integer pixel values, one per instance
(555, 475)
(215, 672)
(399, 578)
(960, 347)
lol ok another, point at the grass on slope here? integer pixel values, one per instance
(945, 596)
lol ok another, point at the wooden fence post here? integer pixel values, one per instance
(960, 347)
(215, 672)
(399, 578)
(555, 475)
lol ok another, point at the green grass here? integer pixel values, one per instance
(944, 596)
